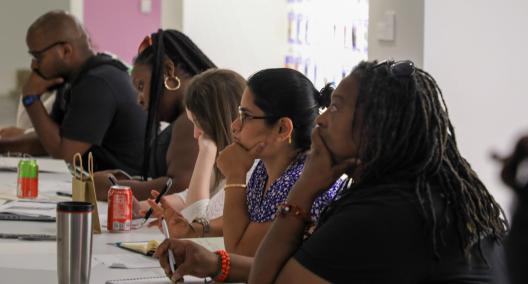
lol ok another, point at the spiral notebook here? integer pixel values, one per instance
(154, 280)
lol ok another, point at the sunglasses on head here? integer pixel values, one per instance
(403, 68)
(147, 42)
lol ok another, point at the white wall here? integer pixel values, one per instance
(15, 18)
(244, 36)
(408, 33)
(476, 49)
(172, 14)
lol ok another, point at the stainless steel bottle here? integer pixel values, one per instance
(74, 242)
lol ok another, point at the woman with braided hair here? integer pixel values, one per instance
(413, 210)
(167, 61)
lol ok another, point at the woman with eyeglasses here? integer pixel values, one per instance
(167, 61)
(276, 117)
(415, 213)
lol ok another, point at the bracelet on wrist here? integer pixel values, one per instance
(29, 100)
(286, 209)
(235, 185)
(205, 225)
(224, 266)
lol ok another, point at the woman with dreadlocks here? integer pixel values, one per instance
(413, 210)
(166, 63)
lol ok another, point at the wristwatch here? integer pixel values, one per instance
(205, 223)
(29, 100)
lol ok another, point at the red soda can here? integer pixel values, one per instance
(27, 182)
(119, 208)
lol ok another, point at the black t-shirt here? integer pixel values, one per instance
(378, 235)
(517, 243)
(100, 107)
(158, 158)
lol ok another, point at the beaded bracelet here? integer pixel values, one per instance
(225, 266)
(285, 209)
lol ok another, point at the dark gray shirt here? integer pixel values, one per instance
(100, 107)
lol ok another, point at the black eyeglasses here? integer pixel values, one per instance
(243, 116)
(404, 68)
(37, 54)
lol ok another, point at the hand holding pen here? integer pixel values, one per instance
(172, 261)
(168, 185)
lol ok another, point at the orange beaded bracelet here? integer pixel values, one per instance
(225, 261)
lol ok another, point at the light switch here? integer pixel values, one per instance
(386, 28)
(146, 6)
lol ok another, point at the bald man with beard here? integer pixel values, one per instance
(96, 109)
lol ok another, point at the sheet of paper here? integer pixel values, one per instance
(154, 279)
(127, 261)
(45, 165)
(30, 208)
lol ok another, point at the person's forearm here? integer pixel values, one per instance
(201, 177)
(215, 229)
(26, 143)
(47, 130)
(142, 189)
(236, 219)
(282, 240)
(240, 268)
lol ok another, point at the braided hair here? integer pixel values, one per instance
(177, 47)
(408, 137)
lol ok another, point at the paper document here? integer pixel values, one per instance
(127, 261)
(34, 208)
(44, 164)
(154, 280)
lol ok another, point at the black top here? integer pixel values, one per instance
(517, 243)
(378, 235)
(100, 107)
(158, 157)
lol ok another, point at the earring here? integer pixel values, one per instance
(167, 84)
(289, 140)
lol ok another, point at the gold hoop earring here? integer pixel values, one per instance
(165, 82)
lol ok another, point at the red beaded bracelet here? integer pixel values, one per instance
(226, 265)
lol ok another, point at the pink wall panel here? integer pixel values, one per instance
(118, 26)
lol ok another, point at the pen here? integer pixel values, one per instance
(61, 193)
(28, 237)
(165, 189)
(166, 233)
(112, 179)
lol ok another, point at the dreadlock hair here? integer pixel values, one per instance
(184, 54)
(213, 98)
(408, 137)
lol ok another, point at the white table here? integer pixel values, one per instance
(39, 257)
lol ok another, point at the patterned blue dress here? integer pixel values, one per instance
(262, 206)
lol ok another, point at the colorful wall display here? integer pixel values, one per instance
(326, 38)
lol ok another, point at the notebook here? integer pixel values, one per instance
(154, 280)
(146, 248)
(139, 280)
(149, 247)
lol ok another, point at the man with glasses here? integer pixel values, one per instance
(96, 109)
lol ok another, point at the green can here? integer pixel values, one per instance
(27, 183)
